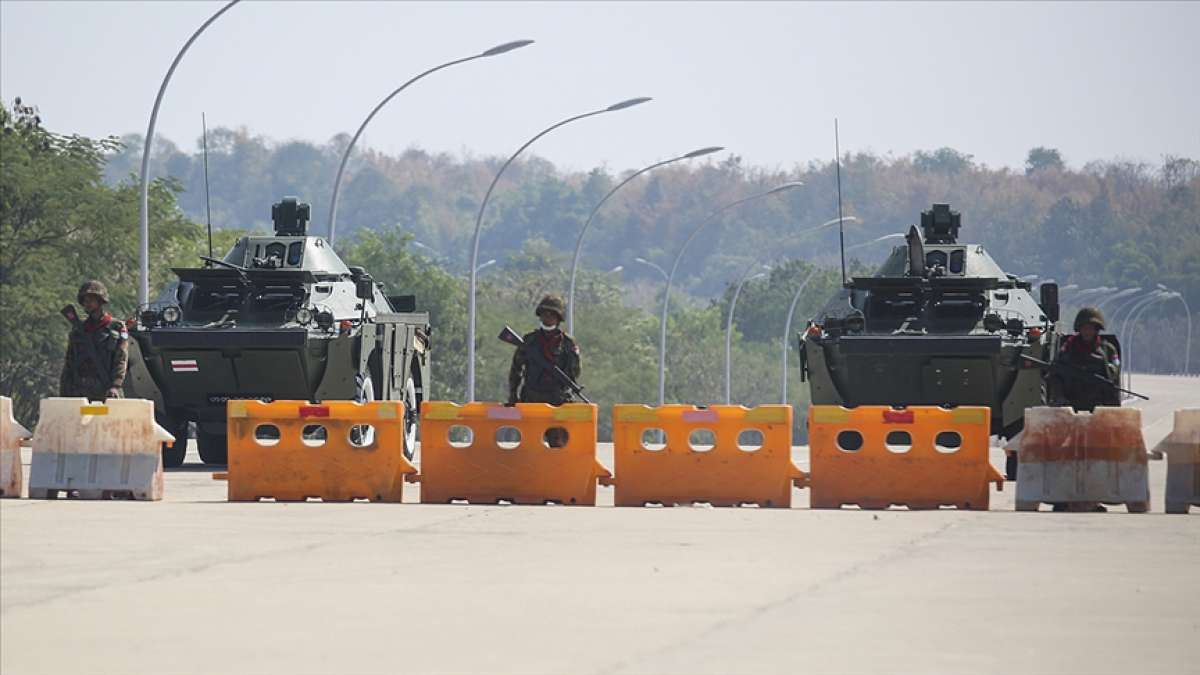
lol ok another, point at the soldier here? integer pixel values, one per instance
(97, 349)
(1086, 352)
(530, 380)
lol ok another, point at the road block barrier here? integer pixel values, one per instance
(11, 434)
(723, 455)
(528, 453)
(1182, 448)
(922, 457)
(337, 451)
(1082, 459)
(97, 450)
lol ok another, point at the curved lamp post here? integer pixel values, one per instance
(652, 265)
(1135, 315)
(144, 198)
(1187, 353)
(337, 182)
(729, 325)
(1117, 295)
(596, 209)
(787, 329)
(629, 103)
(662, 332)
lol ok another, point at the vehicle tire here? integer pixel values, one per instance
(412, 416)
(1010, 466)
(364, 392)
(173, 453)
(212, 447)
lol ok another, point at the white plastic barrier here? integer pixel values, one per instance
(11, 435)
(1081, 459)
(97, 450)
(1182, 447)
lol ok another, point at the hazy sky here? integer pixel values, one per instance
(1097, 81)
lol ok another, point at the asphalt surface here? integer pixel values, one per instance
(198, 585)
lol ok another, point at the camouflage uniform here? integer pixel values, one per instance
(1096, 358)
(97, 352)
(528, 380)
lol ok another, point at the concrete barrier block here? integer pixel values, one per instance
(11, 436)
(88, 450)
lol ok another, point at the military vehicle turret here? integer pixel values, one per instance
(279, 317)
(938, 324)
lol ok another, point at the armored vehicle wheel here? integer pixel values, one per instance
(412, 414)
(173, 453)
(212, 448)
(1010, 466)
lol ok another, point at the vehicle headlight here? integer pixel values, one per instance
(171, 315)
(325, 319)
(304, 316)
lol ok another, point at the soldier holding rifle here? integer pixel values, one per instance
(97, 348)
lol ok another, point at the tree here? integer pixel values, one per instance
(1041, 159)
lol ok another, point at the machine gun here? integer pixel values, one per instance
(510, 336)
(1076, 374)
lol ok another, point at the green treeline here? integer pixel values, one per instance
(68, 211)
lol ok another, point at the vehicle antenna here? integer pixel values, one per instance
(837, 149)
(207, 205)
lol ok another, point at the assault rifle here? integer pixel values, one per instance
(1074, 373)
(510, 336)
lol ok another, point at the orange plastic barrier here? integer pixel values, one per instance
(12, 479)
(724, 455)
(1182, 447)
(336, 451)
(485, 453)
(1081, 459)
(921, 457)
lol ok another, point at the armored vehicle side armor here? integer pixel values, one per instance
(279, 317)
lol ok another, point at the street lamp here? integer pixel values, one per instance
(1130, 326)
(729, 326)
(1187, 353)
(144, 198)
(662, 329)
(596, 209)
(886, 237)
(337, 182)
(659, 269)
(485, 265)
(628, 103)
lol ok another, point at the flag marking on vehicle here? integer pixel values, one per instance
(184, 366)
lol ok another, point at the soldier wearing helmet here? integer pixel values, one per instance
(529, 381)
(1087, 352)
(97, 348)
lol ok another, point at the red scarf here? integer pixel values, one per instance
(549, 342)
(93, 325)
(1081, 346)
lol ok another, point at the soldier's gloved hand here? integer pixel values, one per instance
(113, 392)
(509, 403)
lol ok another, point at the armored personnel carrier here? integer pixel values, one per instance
(279, 317)
(939, 324)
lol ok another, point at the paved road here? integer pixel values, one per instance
(197, 585)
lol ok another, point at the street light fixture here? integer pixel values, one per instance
(729, 326)
(628, 103)
(787, 329)
(657, 268)
(337, 182)
(662, 329)
(596, 209)
(144, 197)
(1187, 352)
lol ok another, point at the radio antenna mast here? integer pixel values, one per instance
(207, 205)
(837, 149)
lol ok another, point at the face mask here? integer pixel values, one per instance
(549, 328)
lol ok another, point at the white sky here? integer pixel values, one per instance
(1097, 81)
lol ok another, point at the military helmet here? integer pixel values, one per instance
(1089, 315)
(554, 304)
(92, 287)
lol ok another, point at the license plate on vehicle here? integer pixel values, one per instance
(221, 399)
